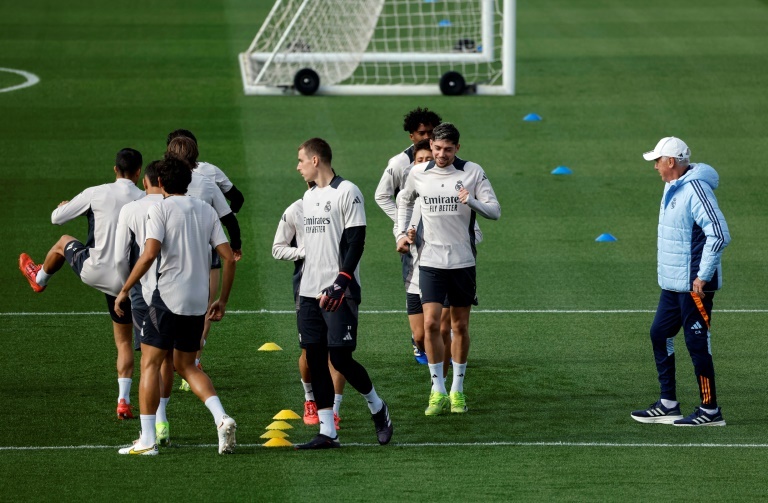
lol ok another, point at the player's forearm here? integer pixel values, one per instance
(228, 278)
(236, 199)
(229, 221)
(286, 252)
(139, 270)
(490, 210)
(355, 245)
(387, 205)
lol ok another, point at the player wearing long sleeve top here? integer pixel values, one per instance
(450, 193)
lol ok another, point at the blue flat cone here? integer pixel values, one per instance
(532, 117)
(605, 238)
(445, 23)
(562, 170)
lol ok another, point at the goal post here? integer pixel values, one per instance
(383, 47)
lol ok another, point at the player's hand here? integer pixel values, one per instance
(121, 298)
(698, 287)
(238, 254)
(62, 204)
(463, 195)
(404, 244)
(216, 311)
(332, 297)
(411, 234)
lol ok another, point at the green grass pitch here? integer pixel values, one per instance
(549, 391)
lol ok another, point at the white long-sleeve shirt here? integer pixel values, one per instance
(101, 206)
(449, 225)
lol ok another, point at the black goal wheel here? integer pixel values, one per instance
(452, 84)
(306, 81)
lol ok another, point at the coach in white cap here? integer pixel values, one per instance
(691, 237)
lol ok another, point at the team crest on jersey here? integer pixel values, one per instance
(672, 204)
(459, 185)
(327, 206)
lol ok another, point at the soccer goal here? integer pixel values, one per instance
(383, 47)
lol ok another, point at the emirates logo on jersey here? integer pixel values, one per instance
(327, 206)
(459, 185)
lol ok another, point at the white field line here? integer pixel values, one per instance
(433, 444)
(399, 311)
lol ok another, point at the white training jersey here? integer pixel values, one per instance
(187, 229)
(206, 190)
(392, 181)
(449, 225)
(328, 212)
(129, 242)
(214, 174)
(101, 206)
(289, 240)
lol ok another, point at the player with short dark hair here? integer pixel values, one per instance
(94, 261)
(182, 230)
(129, 245)
(329, 296)
(450, 193)
(418, 123)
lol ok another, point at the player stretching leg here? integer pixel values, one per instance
(94, 262)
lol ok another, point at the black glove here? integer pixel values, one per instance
(332, 297)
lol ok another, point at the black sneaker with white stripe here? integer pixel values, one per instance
(657, 413)
(701, 418)
(383, 424)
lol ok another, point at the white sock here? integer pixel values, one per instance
(148, 438)
(668, 403)
(459, 369)
(124, 388)
(436, 373)
(709, 411)
(309, 394)
(214, 405)
(337, 403)
(374, 402)
(42, 277)
(161, 417)
(327, 427)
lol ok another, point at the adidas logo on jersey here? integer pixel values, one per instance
(356, 201)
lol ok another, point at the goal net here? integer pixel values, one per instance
(383, 47)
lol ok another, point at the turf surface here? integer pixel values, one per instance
(609, 78)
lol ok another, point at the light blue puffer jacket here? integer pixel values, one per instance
(692, 231)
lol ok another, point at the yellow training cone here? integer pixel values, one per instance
(270, 346)
(278, 442)
(279, 425)
(274, 434)
(286, 414)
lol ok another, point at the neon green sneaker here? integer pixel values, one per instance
(458, 402)
(184, 385)
(163, 433)
(439, 403)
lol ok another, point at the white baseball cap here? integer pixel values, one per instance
(669, 147)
